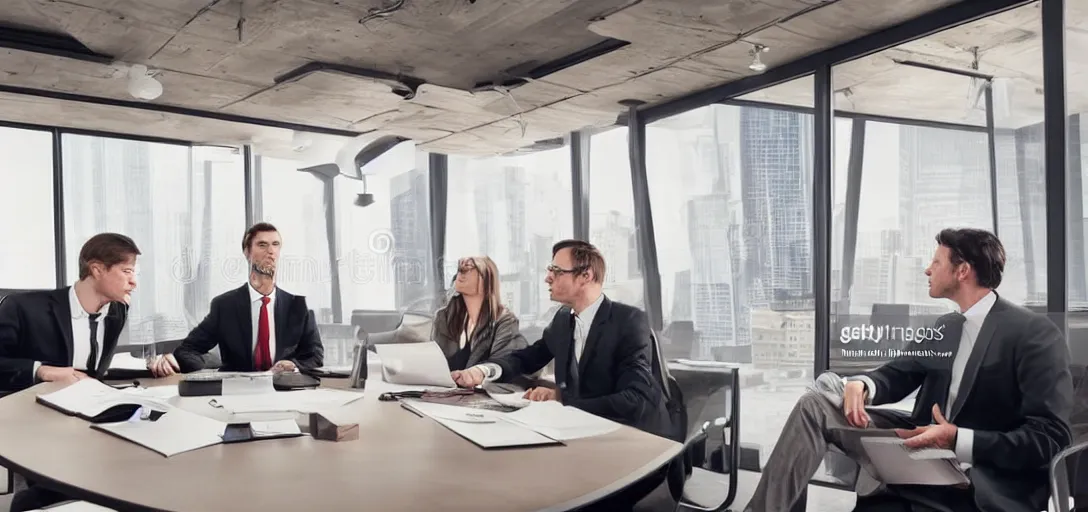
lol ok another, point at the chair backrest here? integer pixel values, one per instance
(674, 397)
(414, 327)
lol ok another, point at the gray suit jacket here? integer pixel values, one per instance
(498, 338)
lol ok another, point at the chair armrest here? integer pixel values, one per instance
(1059, 477)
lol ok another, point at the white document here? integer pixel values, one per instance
(516, 399)
(560, 422)
(126, 361)
(451, 412)
(74, 506)
(159, 392)
(274, 428)
(898, 465)
(89, 398)
(486, 429)
(304, 401)
(415, 364)
(175, 432)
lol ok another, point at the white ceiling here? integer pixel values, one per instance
(205, 62)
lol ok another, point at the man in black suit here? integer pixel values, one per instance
(1000, 398)
(257, 327)
(602, 352)
(68, 334)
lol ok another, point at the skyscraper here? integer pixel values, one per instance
(411, 236)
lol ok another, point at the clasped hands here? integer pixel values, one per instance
(166, 365)
(472, 377)
(941, 434)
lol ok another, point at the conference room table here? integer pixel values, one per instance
(400, 461)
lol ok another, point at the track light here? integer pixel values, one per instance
(141, 85)
(757, 65)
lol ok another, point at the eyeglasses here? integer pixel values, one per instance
(465, 270)
(556, 270)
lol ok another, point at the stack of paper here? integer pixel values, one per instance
(280, 428)
(304, 401)
(560, 422)
(415, 364)
(175, 432)
(89, 398)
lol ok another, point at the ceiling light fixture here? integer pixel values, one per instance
(141, 85)
(757, 65)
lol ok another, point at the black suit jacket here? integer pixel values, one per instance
(1016, 393)
(229, 325)
(613, 378)
(37, 326)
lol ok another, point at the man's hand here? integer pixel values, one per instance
(468, 378)
(164, 366)
(540, 394)
(284, 366)
(941, 435)
(65, 374)
(853, 404)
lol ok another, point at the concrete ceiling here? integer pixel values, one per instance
(1008, 47)
(225, 56)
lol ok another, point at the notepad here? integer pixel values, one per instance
(415, 364)
(92, 400)
(897, 464)
(176, 431)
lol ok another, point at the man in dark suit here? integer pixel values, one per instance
(1000, 398)
(257, 327)
(68, 334)
(602, 353)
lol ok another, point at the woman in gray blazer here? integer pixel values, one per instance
(473, 326)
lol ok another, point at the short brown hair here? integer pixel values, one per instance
(979, 248)
(251, 233)
(108, 249)
(584, 256)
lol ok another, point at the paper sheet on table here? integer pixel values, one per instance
(415, 364)
(898, 465)
(515, 399)
(560, 422)
(126, 361)
(304, 401)
(486, 429)
(74, 506)
(159, 392)
(176, 431)
(274, 428)
(89, 398)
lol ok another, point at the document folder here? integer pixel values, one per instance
(99, 403)
(485, 429)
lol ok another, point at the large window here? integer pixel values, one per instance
(26, 205)
(512, 209)
(612, 226)
(183, 207)
(731, 193)
(385, 247)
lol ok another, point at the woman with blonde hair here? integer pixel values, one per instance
(473, 326)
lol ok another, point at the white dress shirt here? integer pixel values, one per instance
(972, 325)
(81, 333)
(582, 322)
(255, 308)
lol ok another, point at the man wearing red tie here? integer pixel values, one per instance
(258, 327)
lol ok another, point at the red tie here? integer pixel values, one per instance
(262, 359)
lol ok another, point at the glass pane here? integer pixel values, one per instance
(26, 170)
(185, 213)
(512, 209)
(385, 247)
(731, 192)
(612, 225)
(295, 203)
